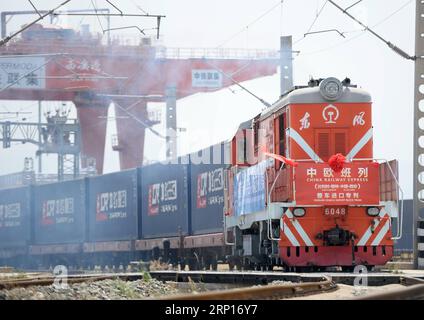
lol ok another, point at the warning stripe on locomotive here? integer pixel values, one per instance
(291, 228)
(376, 232)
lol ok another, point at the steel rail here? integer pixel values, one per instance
(415, 292)
(48, 280)
(261, 292)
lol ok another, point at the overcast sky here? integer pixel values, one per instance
(212, 117)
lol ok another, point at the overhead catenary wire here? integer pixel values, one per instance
(313, 23)
(280, 3)
(97, 16)
(245, 28)
(266, 104)
(362, 31)
(354, 4)
(135, 118)
(140, 8)
(120, 11)
(392, 46)
(121, 14)
(8, 38)
(35, 8)
(326, 31)
(130, 27)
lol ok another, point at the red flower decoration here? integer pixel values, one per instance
(337, 162)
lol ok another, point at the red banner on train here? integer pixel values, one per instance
(356, 184)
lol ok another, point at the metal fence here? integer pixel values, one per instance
(215, 53)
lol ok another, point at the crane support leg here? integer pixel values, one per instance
(131, 134)
(93, 122)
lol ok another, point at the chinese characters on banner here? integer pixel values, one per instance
(206, 79)
(23, 73)
(357, 183)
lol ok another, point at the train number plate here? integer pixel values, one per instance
(335, 211)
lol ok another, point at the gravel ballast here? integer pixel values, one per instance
(98, 290)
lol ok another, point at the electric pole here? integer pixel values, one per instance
(418, 174)
(418, 220)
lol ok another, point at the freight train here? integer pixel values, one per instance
(296, 187)
(169, 211)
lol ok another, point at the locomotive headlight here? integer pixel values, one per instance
(299, 212)
(331, 89)
(373, 211)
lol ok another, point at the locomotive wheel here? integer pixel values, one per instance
(214, 265)
(193, 265)
(206, 263)
(370, 268)
(248, 266)
(304, 269)
(348, 269)
(268, 267)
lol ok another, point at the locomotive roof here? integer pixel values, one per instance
(312, 95)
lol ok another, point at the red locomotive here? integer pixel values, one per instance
(304, 190)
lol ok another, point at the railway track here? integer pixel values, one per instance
(293, 284)
(279, 291)
(47, 281)
(414, 291)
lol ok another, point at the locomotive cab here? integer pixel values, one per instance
(309, 192)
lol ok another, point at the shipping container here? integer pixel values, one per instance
(405, 244)
(112, 206)
(207, 188)
(15, 216)
(59, 212)
(165, 200)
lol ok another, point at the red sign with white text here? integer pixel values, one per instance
(356, 184)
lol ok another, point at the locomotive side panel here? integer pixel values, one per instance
(113, 206)
(60, 213)
(15, 217)
(207, 188)
(165, 200)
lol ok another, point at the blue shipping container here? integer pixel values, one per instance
(15, 208)
(112, 206)
(207, 188)
(59, 213)
(165, 200)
